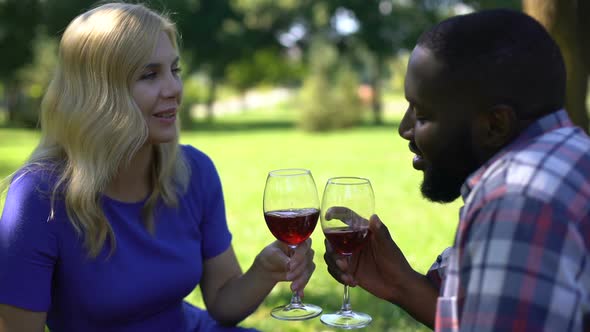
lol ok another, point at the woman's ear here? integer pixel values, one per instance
(499, 126)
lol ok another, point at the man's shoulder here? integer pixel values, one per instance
(553, 168)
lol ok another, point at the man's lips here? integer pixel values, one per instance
(418, 162)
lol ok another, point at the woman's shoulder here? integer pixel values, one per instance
(202, 169)
(34, 179)
(192, 152)
(29, 196)
(197, 159)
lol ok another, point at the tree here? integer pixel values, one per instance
(263, 66)
(568, 22)
(216, 34)
(386, 27)
(18, 23)
(55, 15)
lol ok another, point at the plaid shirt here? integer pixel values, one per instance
(521, 258)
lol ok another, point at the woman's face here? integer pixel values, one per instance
(158, 92)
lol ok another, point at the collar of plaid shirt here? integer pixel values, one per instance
(543, 125)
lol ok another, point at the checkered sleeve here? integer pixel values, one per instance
(520, 268)
(437, 272)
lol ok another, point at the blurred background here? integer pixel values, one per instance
(290, 83)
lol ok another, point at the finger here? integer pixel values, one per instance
(341, 277)
(335, 273)
(303, 277)
(329, 255)
(334, 260)
(298, 265)
(346, 215)
(283, 247)
(342, 264)
(303, 272)
(328, 246)
(301, 250)
(378, 228)
(274, 259)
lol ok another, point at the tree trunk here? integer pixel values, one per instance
(11, 100)
(244, 101)
(566, 22)
(211, 97)
(376, 102)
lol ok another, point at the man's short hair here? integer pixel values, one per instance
(503, 57)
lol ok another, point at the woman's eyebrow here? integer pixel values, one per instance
(155, 65)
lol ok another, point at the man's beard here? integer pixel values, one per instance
(442, 182)
(440, 185)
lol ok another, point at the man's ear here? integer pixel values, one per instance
(498, 126)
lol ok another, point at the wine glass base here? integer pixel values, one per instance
(296, 312)
(346, 320)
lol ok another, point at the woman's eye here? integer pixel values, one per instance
(148, 76)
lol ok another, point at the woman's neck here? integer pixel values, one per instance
(133, 181)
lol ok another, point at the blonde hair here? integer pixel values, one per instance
(91, 125)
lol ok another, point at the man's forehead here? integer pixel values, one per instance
(431, 84)
(426, 74)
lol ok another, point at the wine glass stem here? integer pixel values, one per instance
(295, 298)
(295, 301)
(346, 297)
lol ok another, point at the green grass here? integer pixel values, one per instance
(246, 146)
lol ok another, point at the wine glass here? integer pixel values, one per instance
(347, 205)
(291, 210)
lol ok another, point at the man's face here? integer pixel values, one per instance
(439, 125)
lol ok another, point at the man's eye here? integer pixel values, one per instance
(176, 70)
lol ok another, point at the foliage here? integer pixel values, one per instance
(329, 97)
(266, 66)
(195, 92)
(34, 78)
(228, 40)
(18, 24)
(487, 4)
(57, 14)
(397, 66)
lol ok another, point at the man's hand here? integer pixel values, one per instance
(379, 267)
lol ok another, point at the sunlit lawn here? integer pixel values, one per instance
(246, 146)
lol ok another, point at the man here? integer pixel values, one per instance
(485, 120)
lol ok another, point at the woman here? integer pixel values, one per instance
(111, 222)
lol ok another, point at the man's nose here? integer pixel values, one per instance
(406, 126)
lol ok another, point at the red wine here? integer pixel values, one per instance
(346, 240)
(292, 226)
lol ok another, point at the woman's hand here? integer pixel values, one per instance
(278, 262)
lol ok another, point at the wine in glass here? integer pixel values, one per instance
(291, 210)
(347, 205)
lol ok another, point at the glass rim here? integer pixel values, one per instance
(289, 172)
(348, 180)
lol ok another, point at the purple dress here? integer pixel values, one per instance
(141, 287)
